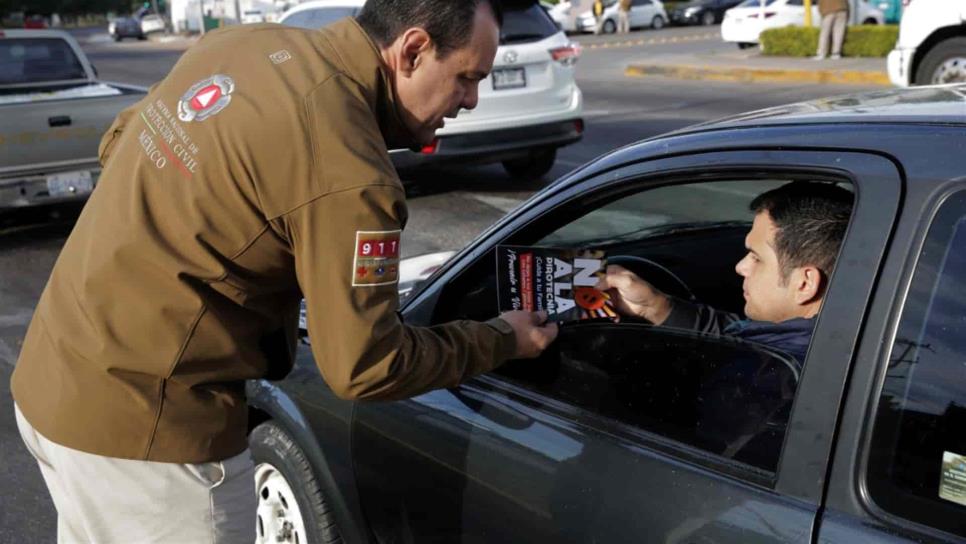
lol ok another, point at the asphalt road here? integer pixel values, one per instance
(447, 207)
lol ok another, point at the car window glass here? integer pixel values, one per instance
(36, 60)
(639, 3)
(524, 23)
(917, 466)
(684, 238)
(794, 3)
(755, 3)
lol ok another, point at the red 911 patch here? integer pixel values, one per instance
(376, 260)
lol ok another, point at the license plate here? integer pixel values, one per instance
(509, 78)
(70, 184)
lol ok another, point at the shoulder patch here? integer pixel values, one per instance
(376, 259)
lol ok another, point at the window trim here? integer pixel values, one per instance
(911, 261)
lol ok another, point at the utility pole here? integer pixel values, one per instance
(808, 13)
(201, 12)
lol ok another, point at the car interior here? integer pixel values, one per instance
(721, 394)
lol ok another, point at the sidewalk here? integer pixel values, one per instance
(752, 67)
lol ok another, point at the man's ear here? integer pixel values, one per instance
(413, 44)
(808, 284)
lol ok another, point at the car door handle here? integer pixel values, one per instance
(59, 121)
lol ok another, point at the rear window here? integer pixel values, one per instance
(317, 18)
(36, 60)
(526, 23)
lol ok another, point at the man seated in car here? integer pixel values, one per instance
(791, 251)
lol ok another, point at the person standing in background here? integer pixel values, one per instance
(835, 15)
(624, 17)
(599, 16)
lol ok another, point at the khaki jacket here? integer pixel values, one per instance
(625, 6)
(255, 173)
(832, 6)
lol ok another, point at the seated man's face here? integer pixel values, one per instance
(767, 296)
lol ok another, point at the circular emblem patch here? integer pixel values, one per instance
(205, 98)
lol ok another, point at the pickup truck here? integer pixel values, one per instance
(53, 111)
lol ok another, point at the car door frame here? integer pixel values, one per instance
(801, 476)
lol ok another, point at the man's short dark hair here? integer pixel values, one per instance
(449, 23)
(811, 218)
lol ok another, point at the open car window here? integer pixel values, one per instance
(724, 393)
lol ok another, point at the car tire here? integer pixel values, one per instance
(944, 63)
(117, 37)
(746, 45)
(657, 23)
(708, 18)
(537, 163)
(280, 463)
(870, 21)
(609, 27)
(142, 37)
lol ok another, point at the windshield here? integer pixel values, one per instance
(36, 60)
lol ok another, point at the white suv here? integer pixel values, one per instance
(931, 47)
(528, 107)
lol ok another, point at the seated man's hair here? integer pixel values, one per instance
(811, 218)
(449, 23)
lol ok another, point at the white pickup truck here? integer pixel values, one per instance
(53, 112)
(931, 48)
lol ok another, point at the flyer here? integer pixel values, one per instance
(559, 281)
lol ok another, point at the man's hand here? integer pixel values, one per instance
(633, 296)
(532, 331)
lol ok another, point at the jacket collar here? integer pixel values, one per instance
(362, 61)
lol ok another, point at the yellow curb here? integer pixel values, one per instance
(753, 75)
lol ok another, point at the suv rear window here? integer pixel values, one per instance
(36, 60)
(526, 22)
(917, 466)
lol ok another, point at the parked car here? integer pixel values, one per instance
(560, 13)
(528, 107)
(125, 27)
(891, 10)
(54, 111)
(743, 23)
(644, 13)
(931, 47)
(152, 23)
(605, 437)
(252, 16)
(701, 12)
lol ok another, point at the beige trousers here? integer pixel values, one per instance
(104, 499)
(834, 24)
(623, 22)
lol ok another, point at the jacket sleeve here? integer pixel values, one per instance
(698, 317)
(362, 348)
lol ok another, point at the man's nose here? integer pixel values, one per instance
(472, 97)
(740, 267)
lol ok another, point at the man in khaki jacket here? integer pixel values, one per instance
(835, 16)
(254, 174)
(624, 16)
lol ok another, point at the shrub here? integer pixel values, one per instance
(860, 41)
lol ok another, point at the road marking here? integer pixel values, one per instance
(651, 41)
(502, 203)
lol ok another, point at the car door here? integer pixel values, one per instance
(898, 474)
(605, 437)
(642, 11)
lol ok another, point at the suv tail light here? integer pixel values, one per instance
(430, 148)
(566, 55)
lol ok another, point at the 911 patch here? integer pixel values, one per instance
(376, 259)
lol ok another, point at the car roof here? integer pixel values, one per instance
(34, 33)
(940, 104)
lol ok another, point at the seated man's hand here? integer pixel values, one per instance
(633, 296)
(533, 332)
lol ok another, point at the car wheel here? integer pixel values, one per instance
(533, 166)
(944, 63)
(708, 18)
(657, 23)
(117, 37)
(870, 21)
(609, 27)
(291, 507)
(142, 37)
(746, 45)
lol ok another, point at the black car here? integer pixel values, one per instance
(701, 12)
(125, 27)
(605, 437)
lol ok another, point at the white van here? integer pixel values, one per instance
(932, 44)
